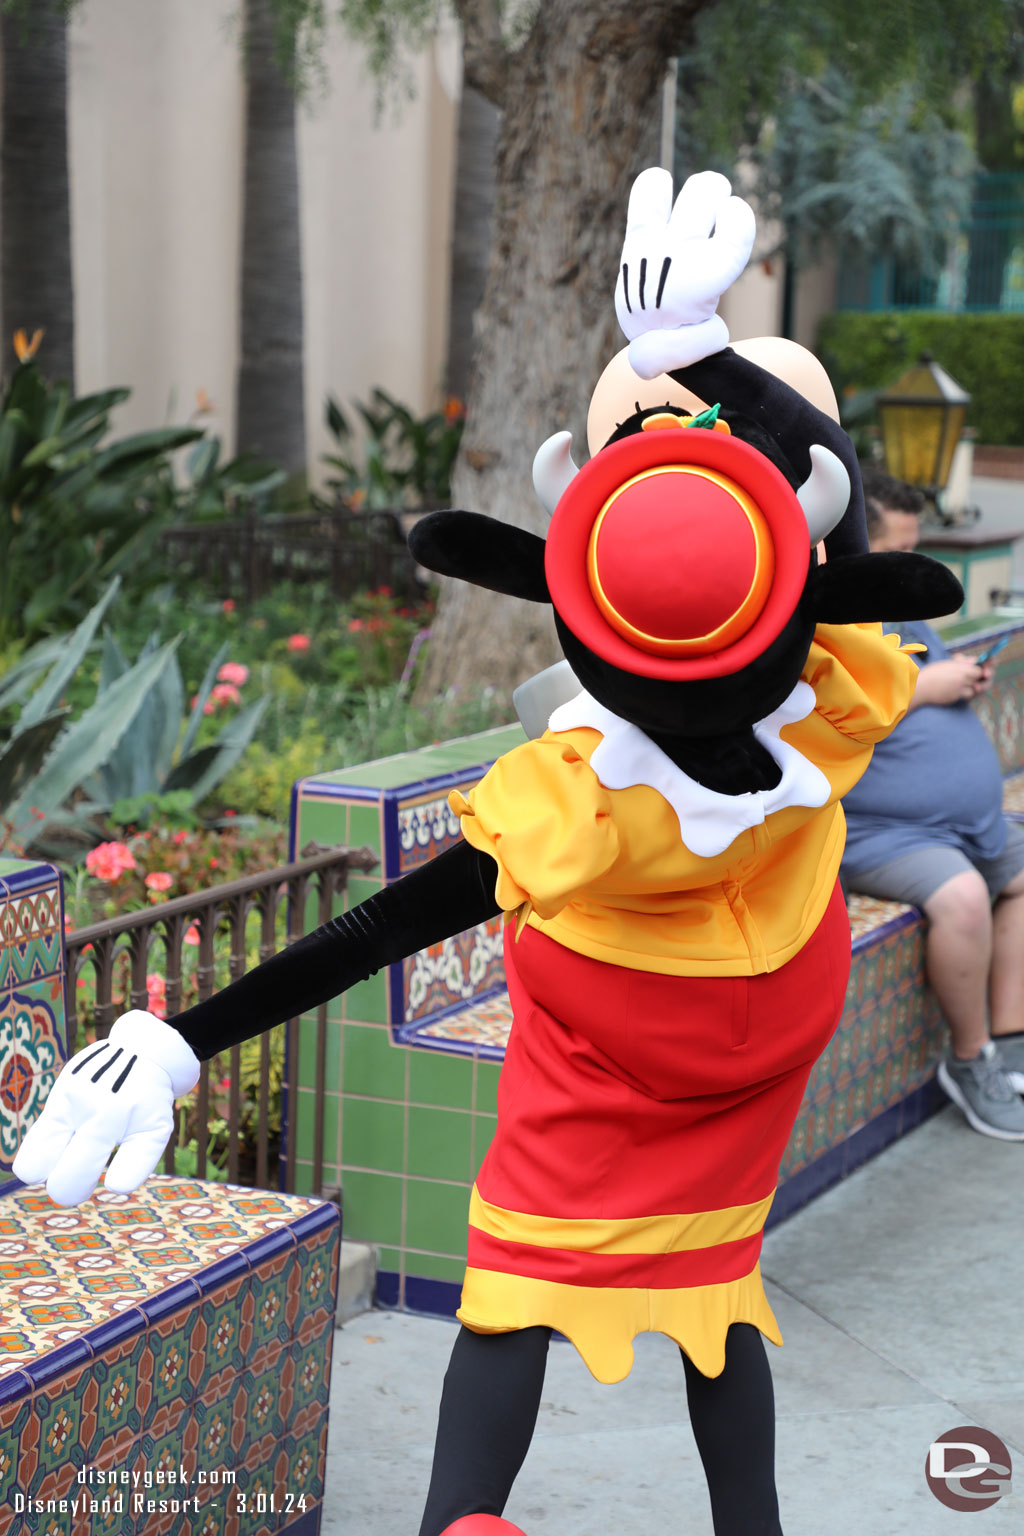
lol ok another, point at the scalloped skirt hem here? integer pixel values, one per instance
(603, 1322)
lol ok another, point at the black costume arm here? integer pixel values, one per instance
(792, 421)
(453, 892)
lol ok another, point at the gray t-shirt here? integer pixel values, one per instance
(936, 779)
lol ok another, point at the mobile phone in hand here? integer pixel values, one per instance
(986, 655)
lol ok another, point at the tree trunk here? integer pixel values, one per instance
(271, 418)
(35, 221)
(581, 103)
(472, 224)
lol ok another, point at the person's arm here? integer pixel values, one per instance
(120, 1092)
(954, 680)
(453, 892)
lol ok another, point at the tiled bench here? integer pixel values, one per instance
(413, 1055)
(187, 1326)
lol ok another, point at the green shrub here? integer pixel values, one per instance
(983, 352)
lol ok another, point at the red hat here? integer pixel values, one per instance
(677, 554)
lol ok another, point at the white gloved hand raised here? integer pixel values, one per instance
(118, 1092)
(673, 270)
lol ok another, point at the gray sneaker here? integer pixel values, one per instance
(1012, 1052)
(983, 1090)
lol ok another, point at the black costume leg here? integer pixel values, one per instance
(488, 1412)
(733, 1418)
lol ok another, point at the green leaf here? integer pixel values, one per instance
(24, 755)
(219, 759)
(336, 420)
(17, 680)
(88, 742)
(44, 698)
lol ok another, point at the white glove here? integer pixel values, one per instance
(673, 270)
(118, 1092)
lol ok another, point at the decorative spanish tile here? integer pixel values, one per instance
(69, 1271)
(484, 1023)
(31, 1053)
(426, 827)
(453, 972)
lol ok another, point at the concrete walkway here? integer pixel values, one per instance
(899, 1297)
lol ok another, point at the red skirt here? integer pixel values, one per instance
(641, 1122)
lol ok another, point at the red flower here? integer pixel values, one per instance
(109, 861)
(298, 643)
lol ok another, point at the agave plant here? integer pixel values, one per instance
(159, 755)
(44, 757)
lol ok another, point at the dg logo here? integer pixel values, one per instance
(968, 1468)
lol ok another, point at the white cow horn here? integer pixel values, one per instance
(553, 469)
(825, 494)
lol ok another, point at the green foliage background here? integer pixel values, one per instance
(983, 352)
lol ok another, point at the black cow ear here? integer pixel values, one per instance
(861, 589)
(483, 551)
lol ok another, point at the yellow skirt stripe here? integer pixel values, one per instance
(638, 1234)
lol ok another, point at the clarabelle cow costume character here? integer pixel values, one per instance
(666, 852)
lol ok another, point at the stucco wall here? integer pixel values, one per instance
(156, 146)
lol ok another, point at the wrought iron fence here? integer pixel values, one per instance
(242, 558)
(283, 899)
(983, 267)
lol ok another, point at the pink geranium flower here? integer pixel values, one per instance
(156, 995)
(191, 934)
(298, 643)
(159, 880)
(225, 693)
(109, 861)
(233, 672)
(228, 605)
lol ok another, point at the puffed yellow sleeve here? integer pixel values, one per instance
(863, 680)
(546, 821)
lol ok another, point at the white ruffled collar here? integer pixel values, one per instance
(708, 821)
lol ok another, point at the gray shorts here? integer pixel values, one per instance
(916, 876)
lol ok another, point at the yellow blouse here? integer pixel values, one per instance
(607, 872)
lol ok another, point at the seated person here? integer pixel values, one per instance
(925, 825)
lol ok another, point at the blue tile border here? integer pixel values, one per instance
(270, 1246)
(307, 1524)
(13, 1385)
(222, 1272)
(39, 875)
(409, 1035)
(57, 1362)
(325, 1215)
(114, 1330)
(183, 1294)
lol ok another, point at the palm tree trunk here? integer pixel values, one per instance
(35, 221)
(472, 223)
(271, 418)
(581, 104)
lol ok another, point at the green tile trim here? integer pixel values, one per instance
(436, 1217)
(371, 1065)
(440, 1144)
(484, 1127)
(435, 1078)
(372, 1206)
(485, 1086)
(373, 1135)
(426, 763)
(309, 1029)
(306, 1123)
